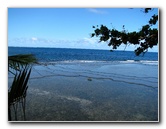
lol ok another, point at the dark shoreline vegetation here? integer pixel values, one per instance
(92, 91)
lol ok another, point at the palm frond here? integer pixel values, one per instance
(18, 90)
(19, 86)
(17, 62)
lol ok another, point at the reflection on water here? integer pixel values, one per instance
(63, 92)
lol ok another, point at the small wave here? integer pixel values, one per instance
(131, 61)
(79, 61)
(71, 61)
(145, 62)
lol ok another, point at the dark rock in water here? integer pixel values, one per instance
(89, 79)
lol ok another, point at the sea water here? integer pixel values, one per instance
(66, 54)
(91, 85)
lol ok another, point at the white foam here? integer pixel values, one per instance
(149, 62)
(131, 61)
(146, 62)
(71, 61)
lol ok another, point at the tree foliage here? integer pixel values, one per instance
(146, 38)
(17, 62)
(17, 92)
(20, 66)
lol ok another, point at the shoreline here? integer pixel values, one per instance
(93, 92)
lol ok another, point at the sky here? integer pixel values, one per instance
(71, 27)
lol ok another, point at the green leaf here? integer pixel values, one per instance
(19, 86)
(17, 62)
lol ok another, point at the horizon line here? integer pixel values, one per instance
(78, 48)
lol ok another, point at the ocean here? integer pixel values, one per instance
(81, 55)
(91, 85)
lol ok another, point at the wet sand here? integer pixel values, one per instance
(93, 92)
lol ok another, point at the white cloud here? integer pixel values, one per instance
(34, 39)
(90, 40)
(84, 43)
(97, 11)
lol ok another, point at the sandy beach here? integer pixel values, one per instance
(88, 91)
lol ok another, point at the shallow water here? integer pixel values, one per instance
(93, 92)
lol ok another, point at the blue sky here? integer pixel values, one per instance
(70, 27)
